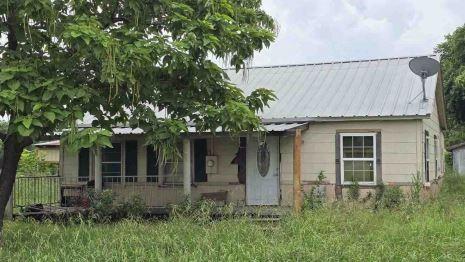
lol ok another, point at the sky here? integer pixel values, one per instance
(313, 31)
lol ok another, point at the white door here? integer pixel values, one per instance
(262, 190)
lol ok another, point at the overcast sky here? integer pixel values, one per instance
(334, 30)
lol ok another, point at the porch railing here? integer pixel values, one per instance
(154, 191)
(35, 190)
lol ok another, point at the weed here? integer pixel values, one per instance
(354, 191)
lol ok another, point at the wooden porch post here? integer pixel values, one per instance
(9, 208)
(186, 160)
(297, 171)
(98, 169)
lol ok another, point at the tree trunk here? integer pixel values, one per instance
(12, 153)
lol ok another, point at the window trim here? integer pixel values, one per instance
(436, 159)
(427, 158)
(373, 159)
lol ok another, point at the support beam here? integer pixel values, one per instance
(9, 208)
(161, 172)
(186, 160)
(98, 169)
(298, 198)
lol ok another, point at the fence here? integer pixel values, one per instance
(35, 190)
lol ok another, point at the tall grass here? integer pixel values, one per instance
(433, 230)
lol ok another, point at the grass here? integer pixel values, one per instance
(431, 231)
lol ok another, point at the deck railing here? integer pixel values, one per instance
(34, 190)
(154, 191)
(47, 190)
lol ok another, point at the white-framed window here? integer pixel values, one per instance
(427, 152)
(358, 158)
(437, 168)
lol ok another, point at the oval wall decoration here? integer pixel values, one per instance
(263, 159)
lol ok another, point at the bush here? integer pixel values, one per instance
(315, 198)
(354, 191)
(453, 183)
(389, 197)
(102, 205)
(32, 164)
(104, 209)
(133, 208)
(417, 184)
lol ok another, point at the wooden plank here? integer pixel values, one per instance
(297, 171)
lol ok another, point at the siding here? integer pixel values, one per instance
(459, 159)
(432, 125)
(49, 154)
(399, 151)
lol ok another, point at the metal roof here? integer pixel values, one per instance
(53, 143)
(269, 128)
(456, 146)
(367, 88)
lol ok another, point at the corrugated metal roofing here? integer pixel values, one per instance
(48, 143)
(373, 88)
(269, 128)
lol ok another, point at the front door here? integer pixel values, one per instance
(262, 189)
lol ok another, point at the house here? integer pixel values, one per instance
(356, 121)
(49, 151)
(458, 157)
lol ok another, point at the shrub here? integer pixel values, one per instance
(392, 197)
(104, 209)
(417, 184)
(315, 198)
(453, 183)
(33, 164)
(354, 191)
(133, 208)
(102, 206)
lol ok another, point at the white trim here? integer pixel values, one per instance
(373, 159)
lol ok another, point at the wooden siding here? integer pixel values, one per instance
(399, 146)
(51, 155)
(458, 156)
(432, 125)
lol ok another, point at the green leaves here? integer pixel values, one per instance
(50, 116)
(122, 63)
(86, 138)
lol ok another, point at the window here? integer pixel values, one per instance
(426, 152)
(111, 163)
(84, 163)
(173, 169)
(200, 153)
(152, 164)
(436, 160)
(358, 154)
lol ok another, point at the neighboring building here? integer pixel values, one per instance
(49, 151)
(361, 121)
(458, 157)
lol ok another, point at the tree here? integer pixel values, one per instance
(122, 61)
(453, 67)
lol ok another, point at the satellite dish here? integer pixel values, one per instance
(424, 67)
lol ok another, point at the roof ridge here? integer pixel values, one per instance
(335, 62)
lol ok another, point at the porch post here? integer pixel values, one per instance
(186, 160)
(9, 208)
(98, 169)
(297, 171)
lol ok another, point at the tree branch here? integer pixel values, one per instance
(2, 136)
